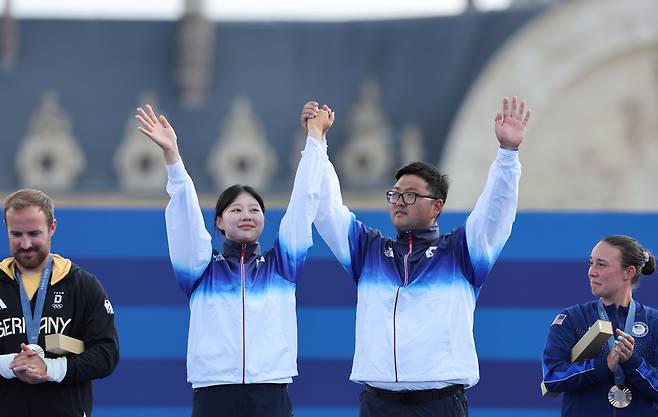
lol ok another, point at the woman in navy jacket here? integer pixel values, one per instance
(622, 379)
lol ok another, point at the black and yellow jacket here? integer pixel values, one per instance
(75, 305)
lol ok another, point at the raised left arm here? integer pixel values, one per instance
(490, 223)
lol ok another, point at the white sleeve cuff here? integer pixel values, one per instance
(314, 143)
(507, 156)
(56, 369)
(176, 171)
(5, 360)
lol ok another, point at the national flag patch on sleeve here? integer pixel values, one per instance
(559, 319)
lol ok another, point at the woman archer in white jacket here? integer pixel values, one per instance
(242, 342)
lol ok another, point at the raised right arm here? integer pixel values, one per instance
(190, 247)
(337, 226)
(333, 219)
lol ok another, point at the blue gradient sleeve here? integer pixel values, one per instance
(295, 233)
(490, 223)
(190, 246)
(333, 219)
(345, 236)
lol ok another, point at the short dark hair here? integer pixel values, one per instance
(229, 195)
(437, 183)
(633, 254)
(28, 197)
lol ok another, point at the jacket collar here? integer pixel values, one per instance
(418, 235)
(233, 249)
(613, 309)
(61, 267)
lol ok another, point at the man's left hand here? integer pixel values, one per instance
(511, 123)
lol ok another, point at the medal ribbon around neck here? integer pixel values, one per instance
(619, 396)
(32, 321)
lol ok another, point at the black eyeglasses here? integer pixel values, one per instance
(408, 197)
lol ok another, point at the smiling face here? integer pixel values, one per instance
(243, 220)
(607, 276)
(29, 237)
(419, 215)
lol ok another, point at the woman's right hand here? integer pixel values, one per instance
(159, 131)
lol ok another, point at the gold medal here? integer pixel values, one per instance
(620, 396)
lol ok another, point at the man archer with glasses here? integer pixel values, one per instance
(415, 351)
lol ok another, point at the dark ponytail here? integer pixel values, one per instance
(650, 266)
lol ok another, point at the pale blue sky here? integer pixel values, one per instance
(245, 9)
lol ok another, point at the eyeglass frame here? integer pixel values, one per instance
(391, 194)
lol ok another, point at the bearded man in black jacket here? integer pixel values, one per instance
(41, 294)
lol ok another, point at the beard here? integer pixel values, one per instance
(30, 259)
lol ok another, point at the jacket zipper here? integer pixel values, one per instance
(397, 295)
(244, 321)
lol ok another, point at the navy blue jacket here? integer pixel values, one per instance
(585, 384)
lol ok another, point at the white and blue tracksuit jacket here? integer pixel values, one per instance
(417, 293)
(585, 384)
(243, 326)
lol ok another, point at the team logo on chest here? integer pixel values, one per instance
(640, 329)
(388, 252)
(57, 299)
(2, 304)
(430, 251)
(259, 261)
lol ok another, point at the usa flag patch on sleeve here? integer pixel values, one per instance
(559, 319)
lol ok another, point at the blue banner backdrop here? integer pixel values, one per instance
(542, 269)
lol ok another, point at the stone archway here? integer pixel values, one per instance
(589, 70)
